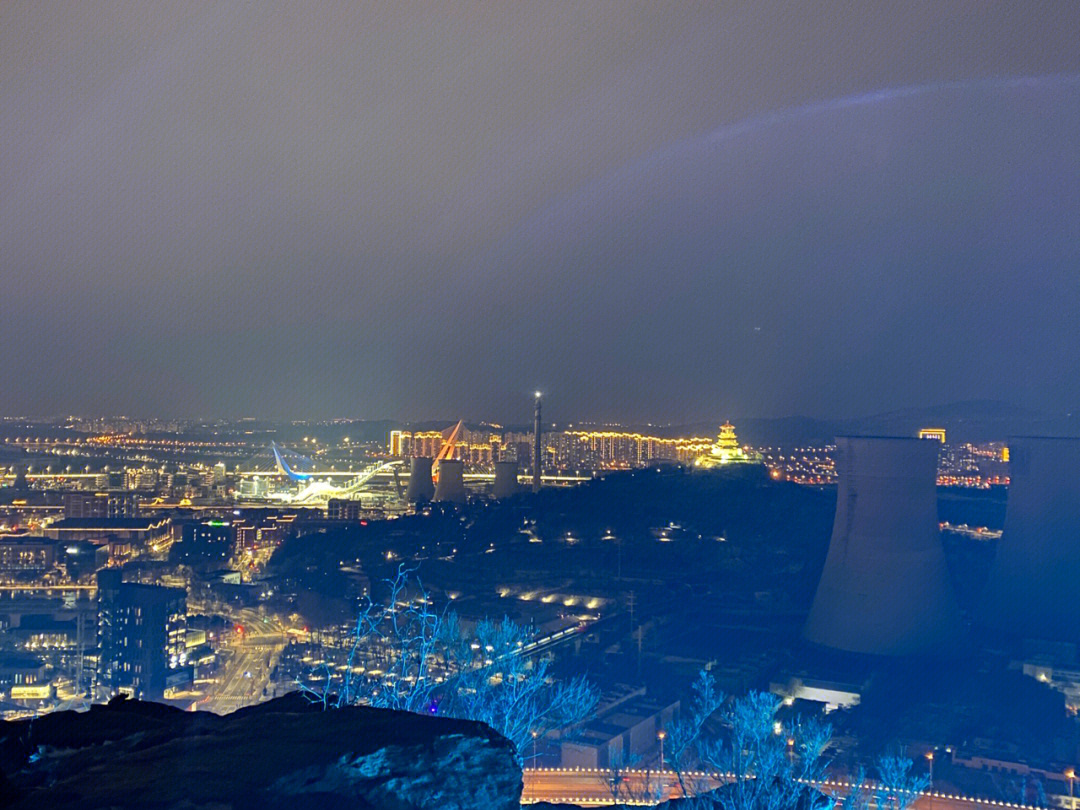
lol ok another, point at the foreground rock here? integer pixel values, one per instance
(286, 753)
(810, 799)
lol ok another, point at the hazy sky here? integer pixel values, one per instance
(654, 211)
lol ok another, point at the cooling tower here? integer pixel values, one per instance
(451, 485)
(1032, 589)
(420, 486)
(506, 483)
(885, 589)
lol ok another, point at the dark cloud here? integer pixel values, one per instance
(655, 212)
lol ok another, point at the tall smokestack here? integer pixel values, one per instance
(1031, 592)
(885, 589)
(537, 457)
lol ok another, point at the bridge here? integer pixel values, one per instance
(277, 460)
(322, 491)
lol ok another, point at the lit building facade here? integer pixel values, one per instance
(101, 505)
(474, 447)
(141, 636)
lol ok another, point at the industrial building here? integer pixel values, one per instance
(101, 505)
(1032, 588)
(506, 479)
(885, 589)
(451, 484)
(421, 487)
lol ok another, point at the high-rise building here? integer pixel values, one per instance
(209, 542)
(141, 636)
(885, 589)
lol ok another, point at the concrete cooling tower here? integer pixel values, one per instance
(885, 589)
(451, 485)
(421, 487)
(506, 483)
(1032, 589)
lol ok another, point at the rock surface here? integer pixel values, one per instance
(286, 753)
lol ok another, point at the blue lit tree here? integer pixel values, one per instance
(896, 787)
(770, 764)
(405, 654)
(512, 692)
(685, 733)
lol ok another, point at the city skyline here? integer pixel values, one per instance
(249, 210)
(562, 402)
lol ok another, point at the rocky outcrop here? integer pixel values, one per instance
(286, 753)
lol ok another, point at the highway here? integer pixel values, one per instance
(588, 787)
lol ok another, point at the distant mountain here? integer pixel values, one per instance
(967, 421)
(787, 431)
(973, 420)
(977, 420)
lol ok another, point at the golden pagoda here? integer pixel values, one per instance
(725, 450)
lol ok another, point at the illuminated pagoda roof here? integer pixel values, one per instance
(725, 450)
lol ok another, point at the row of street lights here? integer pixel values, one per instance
(1070, 773)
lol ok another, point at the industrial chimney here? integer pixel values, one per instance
(421, 487)
(451, 485)
(1031, 592)
(885, 589)
(537, 455)
(506, 483)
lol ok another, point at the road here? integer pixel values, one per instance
(244, 674)
(590, 788)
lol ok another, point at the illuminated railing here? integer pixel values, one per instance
(600, 774)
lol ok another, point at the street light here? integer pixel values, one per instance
(930, 759)
(661, 735)
(534, 736)
(1070, 774)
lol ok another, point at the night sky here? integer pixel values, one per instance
(651, 211)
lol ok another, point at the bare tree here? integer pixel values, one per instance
(684, 734)
(772, 766)
(399, 652)
(896, 787)
(513, 693)
(407, 655)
